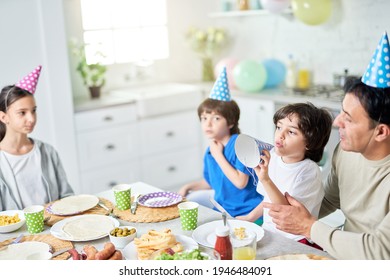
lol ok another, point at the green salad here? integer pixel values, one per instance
(195, 254)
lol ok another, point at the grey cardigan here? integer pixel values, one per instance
(53, 176)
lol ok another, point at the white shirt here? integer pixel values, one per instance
(28, 175)
(302, 180)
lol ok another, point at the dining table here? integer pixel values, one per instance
(270, 245)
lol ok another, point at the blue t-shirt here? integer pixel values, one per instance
(236, 201)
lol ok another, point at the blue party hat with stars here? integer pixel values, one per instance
(378, 70)
(221, 89)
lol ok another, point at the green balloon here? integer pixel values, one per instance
(312, 12)
(249, 75)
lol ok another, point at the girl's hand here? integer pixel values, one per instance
(262, 169)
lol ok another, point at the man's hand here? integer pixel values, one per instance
(293, 218)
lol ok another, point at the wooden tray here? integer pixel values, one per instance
(55, 243)
(51, 219)
(148, 214)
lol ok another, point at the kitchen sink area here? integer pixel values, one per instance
(158, 99)
(150, 100)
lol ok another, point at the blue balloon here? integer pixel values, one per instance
(276, 72)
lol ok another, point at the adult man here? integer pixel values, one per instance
(359, 182)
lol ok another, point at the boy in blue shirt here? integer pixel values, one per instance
(225, 177)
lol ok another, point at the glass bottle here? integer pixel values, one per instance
(291, 78)
(243, 5)
(223, 245)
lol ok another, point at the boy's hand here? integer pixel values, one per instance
(262, 169)
(216, 148)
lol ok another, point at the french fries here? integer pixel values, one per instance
(153, 241)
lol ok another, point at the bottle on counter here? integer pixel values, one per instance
(291, 75)
(223, 245)
(243, 5)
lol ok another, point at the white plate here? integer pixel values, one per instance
(72, 205)
(21, 251)
(15, 226)
(85, 224)
(130, 251)
(205, 234)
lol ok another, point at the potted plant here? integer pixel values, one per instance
(93, 75)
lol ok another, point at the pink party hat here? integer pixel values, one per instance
(29, 82)
(378, 70)
(221, 90)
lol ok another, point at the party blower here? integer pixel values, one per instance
(249, 149)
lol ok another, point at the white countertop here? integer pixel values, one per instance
(278, 95)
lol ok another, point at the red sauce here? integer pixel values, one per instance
(223, 245)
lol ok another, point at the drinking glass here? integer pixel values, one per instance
(244, 247)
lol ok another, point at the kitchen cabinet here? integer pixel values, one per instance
(107, 145)
(171, 149)
(256, 117)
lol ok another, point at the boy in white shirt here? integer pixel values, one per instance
(302, 131)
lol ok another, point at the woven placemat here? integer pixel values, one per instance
(55, 243)
(148, 214)
(52, 219)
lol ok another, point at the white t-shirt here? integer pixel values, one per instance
(302, 180)
(28, 175)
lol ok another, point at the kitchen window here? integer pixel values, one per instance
(125, 31)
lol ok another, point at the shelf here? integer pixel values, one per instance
(260, 12)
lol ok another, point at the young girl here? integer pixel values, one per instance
(30, 170)
(302, 131)
(232, 185)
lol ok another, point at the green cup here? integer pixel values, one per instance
(34, 218)
(122, 195)
(188, 215)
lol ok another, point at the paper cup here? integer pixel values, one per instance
(34, 218)
(122, 195)
(249, 149)
(188, 215)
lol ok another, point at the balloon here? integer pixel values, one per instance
(250, 75)
(312, 12)
(276, 72)
(275, 6)
(229, 63)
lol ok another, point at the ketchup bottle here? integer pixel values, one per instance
(223, 245)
